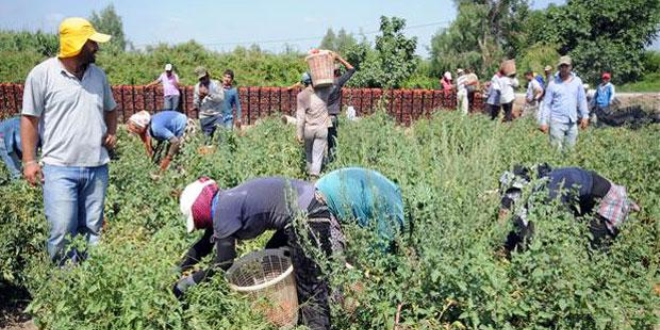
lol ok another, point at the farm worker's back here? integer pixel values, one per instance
(364, 195)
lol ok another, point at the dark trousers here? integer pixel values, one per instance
(471, 99)
(494, 111)
(508, 111)
(332, 138)
(312, 286)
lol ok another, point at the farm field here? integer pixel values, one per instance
(450, 273)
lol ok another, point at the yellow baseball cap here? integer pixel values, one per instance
(74, 33)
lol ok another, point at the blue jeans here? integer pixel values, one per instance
(563, 135)
(10, 158)
(171, 102)
(73, 201)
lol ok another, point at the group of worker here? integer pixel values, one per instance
(69, 111)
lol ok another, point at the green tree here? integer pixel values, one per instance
(329, 40)
(606, 35)
(484, 32)
(107, 21)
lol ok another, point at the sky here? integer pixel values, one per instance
(223, 25)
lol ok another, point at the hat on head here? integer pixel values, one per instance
(547, 68)
(195, 203)
(201, 72)
(606, 75)
(565, 60)
(459, 71)
(306, 78)
(447, 75)
(168, 67)
(74, 33)
(140, 119)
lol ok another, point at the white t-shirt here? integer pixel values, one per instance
(460, 84)
(506, 89)
(532, 86)
(71, 111)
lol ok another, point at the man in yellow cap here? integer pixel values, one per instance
(71, 98)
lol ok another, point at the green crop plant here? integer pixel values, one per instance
(449, 274)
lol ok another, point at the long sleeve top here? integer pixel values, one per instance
(564, 101)
(605, 95)
(245, 212)
(365, 196)
(213, 103)
(231, 100)
(312, 109)
(335, 94)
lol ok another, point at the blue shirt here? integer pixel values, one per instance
(168, 124)
(563, 100)
(11, 134)
(231, 100)
(604, 95)
(364, 195)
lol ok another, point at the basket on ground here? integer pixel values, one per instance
(267, 277)
(321, 67)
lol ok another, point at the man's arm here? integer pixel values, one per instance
(216, 93)
(29, 138)
(612, 95)
(300, 115)
(225, 255)
(239, 111)
(350, 70)
(175, 143)
(110, 139)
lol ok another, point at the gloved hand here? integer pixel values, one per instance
(182, 286)
(165, 163)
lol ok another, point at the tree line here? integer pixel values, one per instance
(600, 35)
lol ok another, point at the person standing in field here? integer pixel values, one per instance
(71, 98)
(494, 95)
(246, 212)
(507, 85)
(564, 107)
(209, 101)
(605, 94)
(170, 81)
(533, 95)
(312, 122)
(461, 94)
(472, 85)
(166, 126)
(333, 103)
(232, 101)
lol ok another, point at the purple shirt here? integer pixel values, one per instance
(169, 89)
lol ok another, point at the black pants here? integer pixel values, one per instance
(332, 138)
(494, 111)
(508, 111)
(313, 288)
(471, 99)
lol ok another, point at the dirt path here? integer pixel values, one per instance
(13, 302)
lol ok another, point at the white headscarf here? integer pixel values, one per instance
(141, 119)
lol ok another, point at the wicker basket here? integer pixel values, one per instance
(321, 67)
(267, 277)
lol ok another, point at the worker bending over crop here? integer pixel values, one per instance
(583, 192)
(165, 126)
(248, 210)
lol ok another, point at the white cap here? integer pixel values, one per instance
(447, 75)
(168, 67)
(140, 119)
(188, 198)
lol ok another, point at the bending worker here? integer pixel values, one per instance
(165, 126)
(246, 212)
